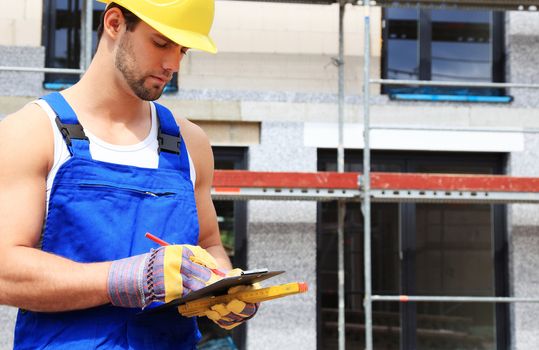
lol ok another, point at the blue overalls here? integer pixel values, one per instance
(100, 211)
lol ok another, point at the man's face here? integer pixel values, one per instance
(147, 60)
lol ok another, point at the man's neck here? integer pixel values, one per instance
(100, 90)
(106, 106)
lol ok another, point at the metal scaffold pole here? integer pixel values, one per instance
(367, 302)
(86, 34)
(340, 168)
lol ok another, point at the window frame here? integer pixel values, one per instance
(407, 221)
(424, 55)
(59, 81)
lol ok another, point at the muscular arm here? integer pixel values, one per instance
(29, 278)
(202, 155)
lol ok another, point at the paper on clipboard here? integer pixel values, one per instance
(219, 288)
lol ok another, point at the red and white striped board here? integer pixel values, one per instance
(385, 187)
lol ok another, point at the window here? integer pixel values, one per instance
(417, 249)
(443, 45)
(61, 38)
(232, 219)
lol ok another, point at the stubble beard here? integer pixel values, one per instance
(125, 62)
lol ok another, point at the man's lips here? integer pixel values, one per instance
(161, 79)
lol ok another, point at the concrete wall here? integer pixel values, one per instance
(20, 23)
(282, 236)
(524, 251)
(258, 27)
(7, 322)
(523, 220)
(21, 83)
(522, 42)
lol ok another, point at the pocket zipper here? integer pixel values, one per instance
(148, 193)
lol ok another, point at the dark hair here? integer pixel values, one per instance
(131, 20)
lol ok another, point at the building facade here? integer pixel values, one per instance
(268, 101)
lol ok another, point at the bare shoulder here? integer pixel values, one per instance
(193, 134)
(26, 135)
(198, 145)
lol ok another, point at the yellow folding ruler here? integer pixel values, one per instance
(198, 307)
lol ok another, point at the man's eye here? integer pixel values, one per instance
(159, 44)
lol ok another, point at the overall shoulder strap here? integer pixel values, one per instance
(172, 149)
(69, 126)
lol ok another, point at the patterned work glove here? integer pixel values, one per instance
(163, 275)
(235, 312)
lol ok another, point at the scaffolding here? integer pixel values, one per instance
(369, 186)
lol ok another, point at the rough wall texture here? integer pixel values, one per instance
(7, 322)
(522, 55)
(21, 83)
(525, 277)
(522, 50)
(524, 251)
(282, 235)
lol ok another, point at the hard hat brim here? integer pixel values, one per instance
(181, 37)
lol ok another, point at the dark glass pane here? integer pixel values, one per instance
(402, 44)
(225, 164)
(225, 219)
(385, 265)
(454, 244)
(385, 248)
(62, 4)
(455, 326)
(460, 16)
(461, 48)
(60, 48)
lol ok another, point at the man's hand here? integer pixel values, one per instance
(164, 274)
(235, 312)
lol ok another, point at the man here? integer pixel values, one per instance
(86, 173)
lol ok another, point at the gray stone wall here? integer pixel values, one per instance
(7, 322)
(524, 251)
(282, 236)
(522, 55)
(21, 83)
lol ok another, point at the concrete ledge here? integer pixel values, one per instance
(231, 133)
(11, 104)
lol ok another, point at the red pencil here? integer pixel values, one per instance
(163, 243)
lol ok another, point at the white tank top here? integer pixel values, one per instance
(143, 154)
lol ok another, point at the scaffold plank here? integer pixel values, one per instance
(453, 182)
(385, 187)
(321, 186)
(260, 179)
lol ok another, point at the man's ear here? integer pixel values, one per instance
(113, 22)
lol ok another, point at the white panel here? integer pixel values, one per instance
(325, 135)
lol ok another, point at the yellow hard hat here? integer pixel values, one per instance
(186, 22)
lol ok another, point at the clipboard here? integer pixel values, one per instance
(218, 288)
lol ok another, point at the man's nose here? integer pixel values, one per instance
(172, 59)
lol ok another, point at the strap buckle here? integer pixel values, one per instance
(71, 131)
(168, 143)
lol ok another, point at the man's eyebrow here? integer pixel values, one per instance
(162, 37)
